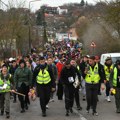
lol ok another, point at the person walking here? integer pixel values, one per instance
(67, 77)
(115, 85)
(12, 70)
(108, 67)
(83, 65)
(97, 60)
(54, 69)
(59, 66)
(93, 74)
(6, 81)
(23, 80)
(29, 65)
(44, 81)
(77, 96)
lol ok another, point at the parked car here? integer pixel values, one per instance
(114, 56)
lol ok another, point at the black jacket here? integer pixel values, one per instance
(66, 73)
(83, 65)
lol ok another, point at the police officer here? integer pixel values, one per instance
(115, 85)
(108, 67)
(6, 80)
(44, 81)
(93, 75)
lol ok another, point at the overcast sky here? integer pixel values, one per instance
(36, 5)
(56, 2)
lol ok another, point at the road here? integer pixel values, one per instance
(56, 111)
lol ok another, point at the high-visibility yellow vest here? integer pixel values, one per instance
(43, 77)
(92, 75)
(2, 84)
(114, 82)
(78, 67)
(107, 71)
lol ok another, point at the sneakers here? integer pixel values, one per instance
(67, 113)
(87, 111)
(47, 107)
(84, 98)
(7, 115)
(71, 110)
(26, 107)
(22, 111)
(51, 100)
(44, 114)
(108, 99)
(95, 113)
(117, 111)
(14, 101)
(2, 112)
(79, 108)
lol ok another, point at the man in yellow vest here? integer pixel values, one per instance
(45, 83)
(115, 85)
(93, 74)
(6, 80)
(108, 67)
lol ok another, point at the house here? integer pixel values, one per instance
(62, 10)
(51, 10)
(65, 36)
(55, 10)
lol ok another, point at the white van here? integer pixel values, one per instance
(114, 56)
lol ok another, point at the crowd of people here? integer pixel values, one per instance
(60, 69)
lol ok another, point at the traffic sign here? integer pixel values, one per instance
(93, 44)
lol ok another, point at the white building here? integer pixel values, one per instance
(65, 36)
(61, 10)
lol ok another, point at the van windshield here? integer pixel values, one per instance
(115, 58)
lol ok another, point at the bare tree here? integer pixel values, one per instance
(13, 31)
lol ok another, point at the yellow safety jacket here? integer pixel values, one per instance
(114, 82)
(78, 67)
(107, 72)
(43, 77)
(92, 75)
(2, 84)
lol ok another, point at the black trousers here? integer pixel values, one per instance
(117, 99)
(99, 89)
(24, 90)
(92, 96)
(69, 91)
(107, 88)
(60, 91)
(44, 91)
(77, 97)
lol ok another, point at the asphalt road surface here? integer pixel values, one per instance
(56, 111)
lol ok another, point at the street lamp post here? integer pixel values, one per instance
(30, 26)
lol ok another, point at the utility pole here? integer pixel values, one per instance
(29, 34)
